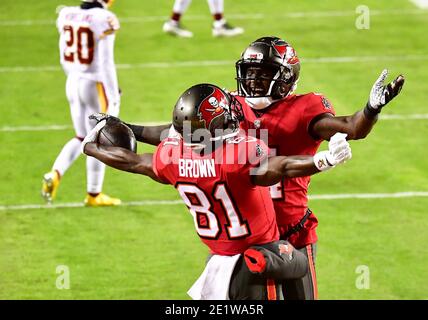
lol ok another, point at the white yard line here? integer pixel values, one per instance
(289, 15)
(409, 194)
(363, 59)
(211, 63)
(58, 127)
(81, 205)
(53, 127)
(403, 116)
(421, 4)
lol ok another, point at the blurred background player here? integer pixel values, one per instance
(87, 35)
(220, 26)
(220, 173)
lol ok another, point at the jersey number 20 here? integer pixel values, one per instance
(80, 44)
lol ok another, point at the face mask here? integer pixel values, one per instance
(259, 103)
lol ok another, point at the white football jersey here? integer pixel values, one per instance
(80, 34)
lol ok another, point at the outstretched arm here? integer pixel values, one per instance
(282, 166)
(148, 134)
(358, 125)
(122, 159)
(297, 166)
(116, 157)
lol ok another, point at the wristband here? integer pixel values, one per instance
(321, 162)
(370, 112)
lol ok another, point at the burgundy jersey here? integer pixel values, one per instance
(287, 122)
(230, 213)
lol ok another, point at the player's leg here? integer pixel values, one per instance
(173, 25)
(95, 100)
(220, 26)
(71, 149)
(304, 288)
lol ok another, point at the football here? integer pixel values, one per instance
(117, 134)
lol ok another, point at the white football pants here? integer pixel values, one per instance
(85, 98)
(216, 6)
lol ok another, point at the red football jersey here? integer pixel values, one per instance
(287, 122)
(230, 213)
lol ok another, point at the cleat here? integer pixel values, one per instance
(174, 28)
(223, 29)
(50, 185)
(101, 200)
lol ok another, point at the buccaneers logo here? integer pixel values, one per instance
(280, 48)
(286, 52)
(212, 107)
(286, 249)
(291, 56)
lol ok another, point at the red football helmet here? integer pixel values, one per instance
(271, 61)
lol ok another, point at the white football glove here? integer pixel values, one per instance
(103, 116)
(338, 152)
(381, 94)
(93, 134)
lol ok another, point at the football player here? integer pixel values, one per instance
(219, 173)
(220, 26)
(87, 36)
(267, 75)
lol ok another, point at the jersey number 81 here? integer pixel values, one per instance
(200, 206)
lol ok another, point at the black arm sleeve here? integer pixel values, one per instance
(150, 134)
(137, 130)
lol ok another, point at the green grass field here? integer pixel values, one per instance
(152, 251)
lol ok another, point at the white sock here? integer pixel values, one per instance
(180, 6)
(67, 156)
(216, 6)
(94, 175)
